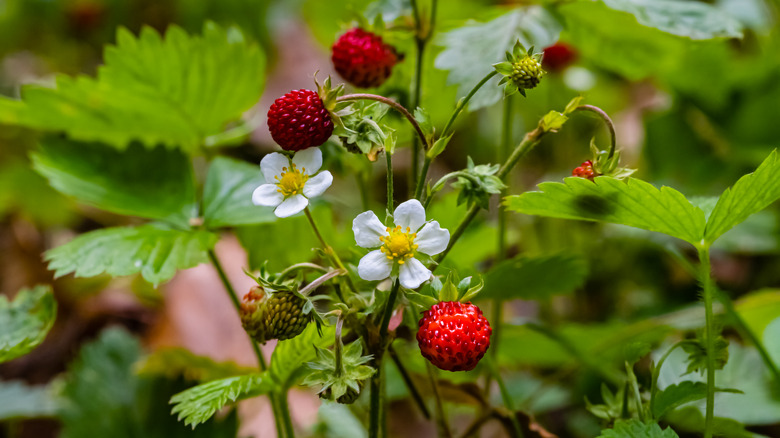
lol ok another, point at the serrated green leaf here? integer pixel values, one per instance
(631, 202)
(750, 194)
(227, 195)
(20, 401)
(679, 394)
(153, 250)
(121, 181)
(290, 356)
(196, 405)
(177, 90)
(179, 362)
(470, 51)
(637, 429)
(697, 354)
(533, 278)
(694, 20)
(25, 321)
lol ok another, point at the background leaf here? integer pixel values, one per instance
(470, 51)
(750, 194)
(104, 397)
(175, 91)
(154, 250)
(533, 278)
(122, 182)
(25, 321)
(179, 362)
(631, 202)
(227, 195)
(19, 400)
(698, 21)
(637, 429)
(679, 394)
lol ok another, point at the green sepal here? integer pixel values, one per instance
(604, 165)
(468, 292)
(449, 292)
(504, 68)
(336, 382)
(572, 105)
(438, 147)
(553, 121)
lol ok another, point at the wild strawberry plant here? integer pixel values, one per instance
(147, 137)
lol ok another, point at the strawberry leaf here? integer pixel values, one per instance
(535, 277)
(227, 195)
(637, 429)
(25, 321)
(749, 195)
(631, 202)
(197, 404)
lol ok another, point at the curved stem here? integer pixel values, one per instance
(276, 403)
(309, 288)
(301, 266)
(607, 120)
(329, 250)
(393, 104)
(338, 347)
(705, 278)
(657, 372)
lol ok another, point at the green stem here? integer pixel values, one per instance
(458, 109)
(389, 161)
(284, 410)
(637, 396)
(507, 398)
(329, 250)
(705, 278)
(441, 416)
(607, 121)
(657, 372)
(378, 412)
(393, 104)
(530, 140)
(273, 398)
(418, 399)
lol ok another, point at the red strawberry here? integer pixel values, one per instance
(585, 171)
(299, 120)
(558, 56)
(363, 59)
(454, 336)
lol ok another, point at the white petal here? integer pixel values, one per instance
(374, 266)
(368, 229)
(272, 165)
(292, 205)
(267, 195)
(432, 239)
(309, 159)
(409, 214)
(413, 273)
(316, 185)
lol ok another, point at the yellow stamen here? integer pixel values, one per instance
(291, 182)
(398, 245)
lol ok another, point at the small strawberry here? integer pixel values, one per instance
(363, 59)
(558, 56)
(521, 71)
(299, 120)
(278, 315)
(585, 170)
(453, 335)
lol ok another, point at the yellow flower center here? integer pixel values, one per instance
(291, 181)
(398, 245)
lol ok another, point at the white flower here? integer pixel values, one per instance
(291, 183)
(399, 245)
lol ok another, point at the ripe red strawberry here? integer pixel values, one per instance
(558, 56)
(299, 120)
(454, 336)
(585, 171)
(363, 59)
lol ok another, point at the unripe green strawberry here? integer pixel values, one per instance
(527, 72)
(348, 398)
(278, 315)
(284, 318)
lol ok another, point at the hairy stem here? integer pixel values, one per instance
(418, 399)
(507, 398)
(389, 161)
(705, 278)
(329, 250)
(458, 109)
(530, 140)
(273, 398)
(378, 404)
(393, 104)
(607, 120)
